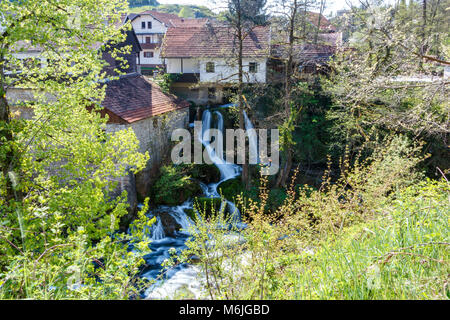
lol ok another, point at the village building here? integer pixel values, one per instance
(204, 60)
(133, 101)
(150, 27)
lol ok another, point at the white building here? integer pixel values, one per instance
(205, 60)
(150, 27)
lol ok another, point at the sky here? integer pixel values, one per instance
(332, 5)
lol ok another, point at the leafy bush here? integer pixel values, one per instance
(65, 264)
(208, 205)
(374, 234)
(174, 186)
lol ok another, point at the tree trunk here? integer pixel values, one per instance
(6, 133)
(245, 174)
(284, 172)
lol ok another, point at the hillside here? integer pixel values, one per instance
(185, 11)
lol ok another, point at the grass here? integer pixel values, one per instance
(404, 254)
(400, 251)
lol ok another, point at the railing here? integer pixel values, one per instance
(188, 77)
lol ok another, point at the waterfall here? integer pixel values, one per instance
(184, 275)
(157, 230)
(252, 140)
(227, 170)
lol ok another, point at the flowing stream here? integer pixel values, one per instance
(185, 276)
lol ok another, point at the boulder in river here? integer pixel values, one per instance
(170, 225)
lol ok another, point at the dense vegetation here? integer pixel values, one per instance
(358, 211)
(58, 214)
(358, 216)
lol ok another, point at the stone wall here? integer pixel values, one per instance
(154, 135)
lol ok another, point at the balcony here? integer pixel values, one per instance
(150, 45)
(187, 78)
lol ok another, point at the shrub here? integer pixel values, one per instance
(374, 234)
(174, 186)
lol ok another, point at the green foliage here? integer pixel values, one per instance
(174, 186)
(401, 255)
(186, 12)
(208, 206)
(66, 265)
(234, 191)
(165, 80)
(60, 168)
(140, 3)
(376, 86)
(374, 234)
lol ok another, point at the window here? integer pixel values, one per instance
(143, 25)
(210, 67)
(148, 54)
(253, 67)
(211, 93)
(149, 25)
(148, 39)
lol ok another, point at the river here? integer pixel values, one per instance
(186, 277)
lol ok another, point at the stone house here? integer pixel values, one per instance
(136, 102)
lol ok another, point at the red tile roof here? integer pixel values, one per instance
(213, 41)
(171, 20)
(325, 25)
(132, 98)
(188, 22)
(161, 16)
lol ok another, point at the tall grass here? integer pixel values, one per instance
(375, 233)
(404, 254)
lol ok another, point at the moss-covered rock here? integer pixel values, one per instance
(207, 173)
(174, 186)
(231, 188)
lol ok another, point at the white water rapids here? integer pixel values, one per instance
(185, 277)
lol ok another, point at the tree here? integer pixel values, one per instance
(186, 12)
(388, 80)
(293, 28)
(59, 167)
(243, 16)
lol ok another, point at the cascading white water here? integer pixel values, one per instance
(252, 138)
(185, 276)
(157, 230)
(227, 170)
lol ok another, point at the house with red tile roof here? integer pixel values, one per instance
(133, 97)
(134, 101)
(204, 58)
(150, 27)
(325, 24)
